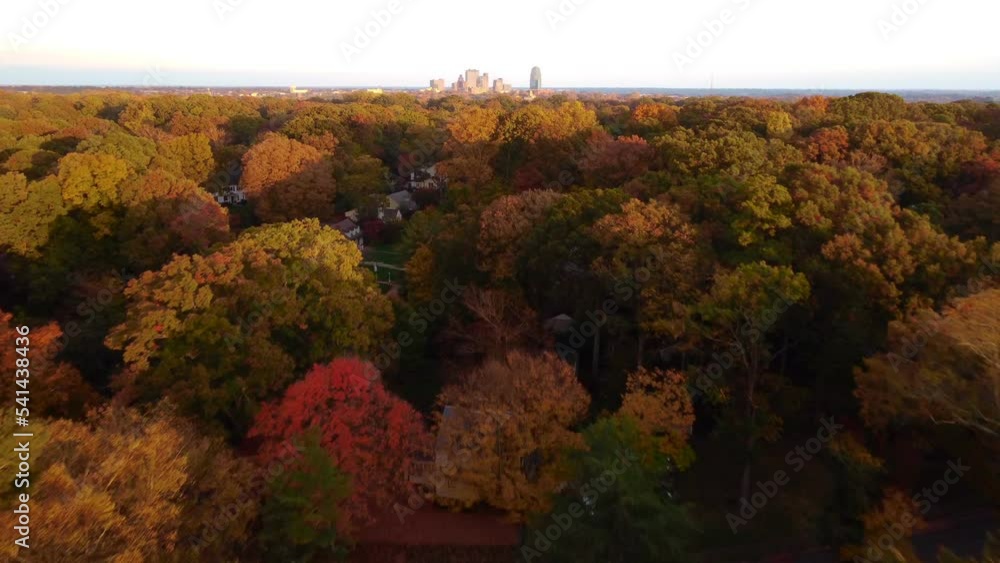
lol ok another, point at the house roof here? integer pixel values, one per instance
(345, 226)
(402, 196)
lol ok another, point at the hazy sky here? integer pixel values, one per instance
(877, 44)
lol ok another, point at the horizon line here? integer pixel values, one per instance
(549, 88)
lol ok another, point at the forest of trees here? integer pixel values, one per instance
(697, 286)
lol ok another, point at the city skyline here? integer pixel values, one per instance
(471, 82)
(882, 44)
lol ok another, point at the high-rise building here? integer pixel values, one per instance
(471, 78)
(536, 78)
(460, 85)
(498, 86)
(437, 85)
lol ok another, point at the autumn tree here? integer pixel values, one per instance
(470, 150)
(370, 434)
(286, 179)
(59, 389)
(166, 215)
(222, 332)
(649, 118)
(519, 415)
(359, 178)
(896, 510)
(498, 322)
(659, 403)
(653, 249)
(27, 210)
(503, 226)
(610, 162)
(736, 316)
(138, 152)
(828, 145)
(124, 486)
(190, 155)
(91, 181)
(941, 368)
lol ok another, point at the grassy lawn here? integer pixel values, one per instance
(389, 254)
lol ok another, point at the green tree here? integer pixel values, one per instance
(300, 518)
(615, 508)
(737, 314)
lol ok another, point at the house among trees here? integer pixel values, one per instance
(231, 195)
(351, 231)
(390, 214)
(402, 200)
(425, 179)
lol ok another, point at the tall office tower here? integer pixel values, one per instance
(437, 85)
(471, 78)
(498, 85)
(460, 85)
(486, 82)
(536, 78)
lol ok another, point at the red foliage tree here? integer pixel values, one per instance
(371, 434)
(372, 230)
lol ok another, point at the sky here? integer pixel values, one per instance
(808, 44)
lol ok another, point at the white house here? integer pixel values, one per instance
(403, 201)
(231, 195)
(390, 214)
(424, 178)
(351, 231)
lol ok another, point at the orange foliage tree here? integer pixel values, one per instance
(286, 179)
(57, 388)
(504, 225)
(526, 408)
(660, 404)
(941, 368)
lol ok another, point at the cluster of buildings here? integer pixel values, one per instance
(397, 205)
(472, 82)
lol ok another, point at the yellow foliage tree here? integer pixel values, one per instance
(660, 404)
(126, 487)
